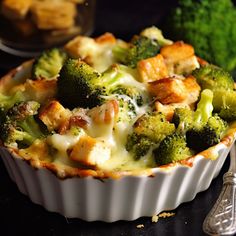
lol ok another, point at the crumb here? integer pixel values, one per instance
(140, 226)
(155, 218)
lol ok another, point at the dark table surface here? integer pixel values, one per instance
(19, 216)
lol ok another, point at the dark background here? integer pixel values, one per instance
(18, 216)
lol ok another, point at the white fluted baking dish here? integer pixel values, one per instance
(113, 196)
(126, 198)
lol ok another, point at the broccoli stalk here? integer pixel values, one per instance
(20, 126)
(80, 85)
(204, 108)
(222, 85)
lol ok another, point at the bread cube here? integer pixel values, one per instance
(152, 69)
(168, 90)
(53, 15)
(90, 151)
(15, 9)
(54, 115)
(177, 51)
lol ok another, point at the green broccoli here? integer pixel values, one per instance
(129, 91)
(80, 85)
(19, 126)
(173, 148)
(209, 26)
(148, 131)
(140, 47)
(8, 101)
(183, 119)
(222, 85)
(212, 77)
(224, 103)
(207, 129)
(48, 64)
(139, 145)
(201, 138)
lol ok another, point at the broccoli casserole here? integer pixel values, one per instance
(103, 105)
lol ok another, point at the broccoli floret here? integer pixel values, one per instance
(206, 129)
(201, 138)
(20, 126)
(8, 101)
(129, 91)
(139, 145)
(222, 85)
(140, 47)
(228, 113)
(224, 103)
(183, 119)
(48, 64)
(172, 148)
(80, 85)
(212, 77)
(148, 131)
(209, 26)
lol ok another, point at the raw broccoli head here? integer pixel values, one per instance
(209, 26)
(139, 48)
(173, 148)
(201, 138)
(78, 85)
(212, 77)
(19, 126)
(48, 64)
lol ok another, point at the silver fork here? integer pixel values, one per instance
(221, 220)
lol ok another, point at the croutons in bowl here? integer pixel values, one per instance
(110, 130)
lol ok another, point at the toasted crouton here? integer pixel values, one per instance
(106, 38)
(168, 109)
(177, 51)
(15, 9)
(180, 58)
(95, 52)
(186, 66)
(168, 90)
(192, 89)
(90, 152)
(54, 115)
(153, 68)
(53, 15)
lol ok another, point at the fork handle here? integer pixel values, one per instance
(221, 220)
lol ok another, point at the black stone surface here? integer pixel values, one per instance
(19, 216)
